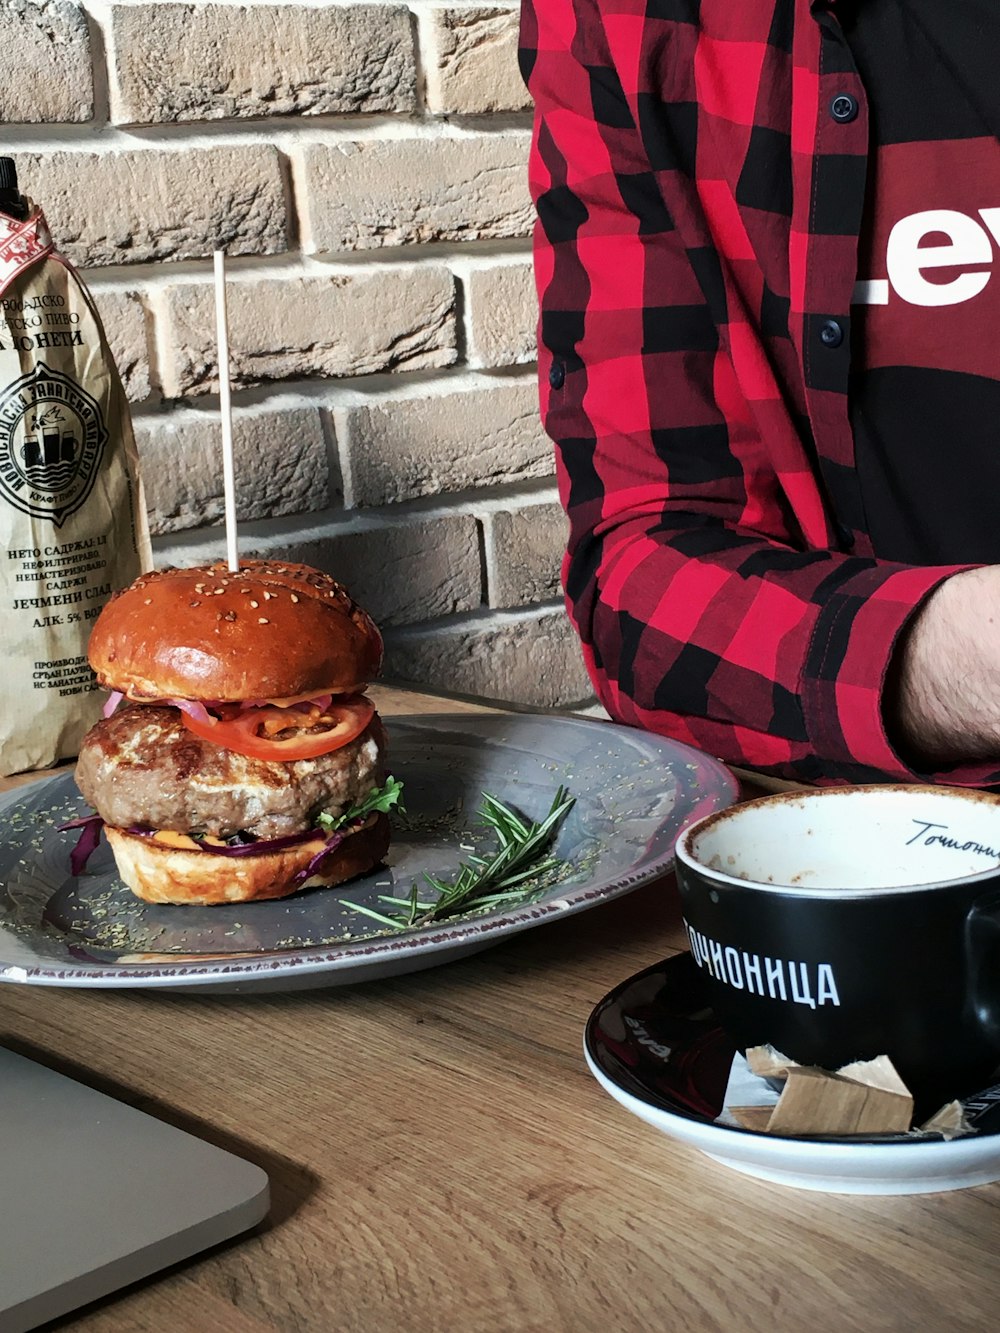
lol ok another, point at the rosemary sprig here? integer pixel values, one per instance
(522, 856)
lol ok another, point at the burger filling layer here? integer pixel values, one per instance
(143, 768)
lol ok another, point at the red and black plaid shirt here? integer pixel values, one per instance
(698, 169)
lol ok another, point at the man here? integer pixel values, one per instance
(770, 362)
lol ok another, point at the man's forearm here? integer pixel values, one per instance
(944, 703)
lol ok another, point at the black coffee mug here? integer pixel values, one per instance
(845, 923)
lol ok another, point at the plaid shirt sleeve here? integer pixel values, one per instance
(706, 572)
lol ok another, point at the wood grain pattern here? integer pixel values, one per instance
(441, 1159)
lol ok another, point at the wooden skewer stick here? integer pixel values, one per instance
(225, 406)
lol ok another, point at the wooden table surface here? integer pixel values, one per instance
(441, 1160)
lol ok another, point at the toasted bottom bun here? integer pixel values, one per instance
(161, 874)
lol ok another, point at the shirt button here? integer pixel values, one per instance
(844, 108)
(831, 334)
(557, 374)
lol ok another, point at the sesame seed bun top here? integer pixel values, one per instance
(272, 630)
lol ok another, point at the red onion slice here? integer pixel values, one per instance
(114, 699)
(200, 709)
(193, 707)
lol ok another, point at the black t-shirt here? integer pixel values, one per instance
(925, 387)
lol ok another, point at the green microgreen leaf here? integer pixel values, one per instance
(379, 801)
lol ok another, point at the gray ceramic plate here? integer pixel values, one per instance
(634, 793)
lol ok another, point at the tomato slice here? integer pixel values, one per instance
(301, 731)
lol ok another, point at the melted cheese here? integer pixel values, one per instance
(181, 841)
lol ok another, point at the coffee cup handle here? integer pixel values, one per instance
(982, 944)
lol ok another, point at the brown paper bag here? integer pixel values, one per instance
(72, 516)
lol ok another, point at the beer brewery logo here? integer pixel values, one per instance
(52, 439)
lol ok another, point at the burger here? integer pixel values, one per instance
(239, 757)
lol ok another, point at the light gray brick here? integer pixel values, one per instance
(475, 69)
(403, 571)
(533, 660)
(364, 194)
(524, 550)
(124, 318)
(502, 312)
(176, 62)
(280, 464)
(142, 206)
(405, 448)
(301, 328)
(45, 66)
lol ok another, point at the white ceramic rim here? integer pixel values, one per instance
(719, 877)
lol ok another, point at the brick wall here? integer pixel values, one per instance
(363, 165)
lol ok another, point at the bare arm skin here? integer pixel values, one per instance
(944, 704)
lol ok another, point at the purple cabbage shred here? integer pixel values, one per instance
(86, 845)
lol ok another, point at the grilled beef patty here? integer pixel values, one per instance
(142, 767)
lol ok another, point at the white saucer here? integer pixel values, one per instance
(654, 1046)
